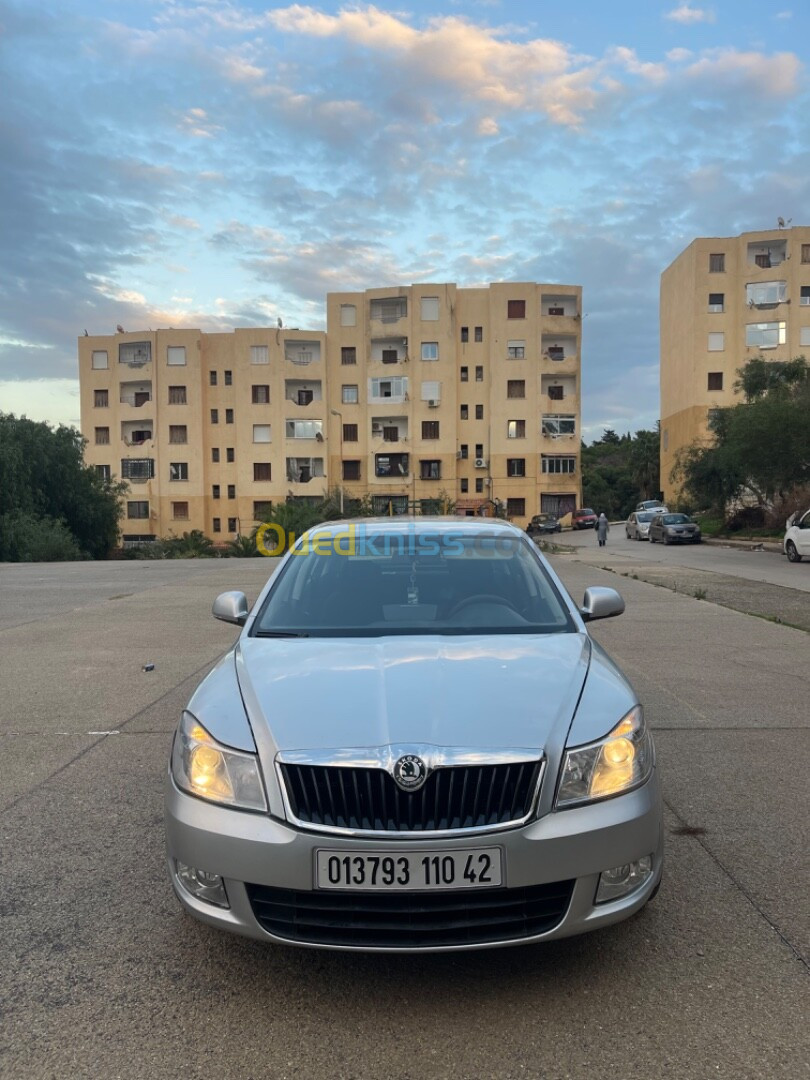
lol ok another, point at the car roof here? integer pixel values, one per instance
(422, 526)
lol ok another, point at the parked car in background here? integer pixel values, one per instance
(542, 524)
(797, 537)
(653, 504)
(637, 526)
(674, 529)
(583, 519)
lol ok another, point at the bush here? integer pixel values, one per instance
(28, 537)
(746, 518)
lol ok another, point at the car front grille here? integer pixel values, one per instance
(410, 920)
(369, 800)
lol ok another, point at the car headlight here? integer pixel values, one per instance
(617, 763)
(204, 767)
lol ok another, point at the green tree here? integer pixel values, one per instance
(618, 471)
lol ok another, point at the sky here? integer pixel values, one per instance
(223, 163)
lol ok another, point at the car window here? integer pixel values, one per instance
(390, 583)
(646, 516)
(674, 519)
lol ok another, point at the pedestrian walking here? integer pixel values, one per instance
(602, 529)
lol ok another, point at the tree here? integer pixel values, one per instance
(618, 471)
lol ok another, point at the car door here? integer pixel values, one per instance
(803, 535)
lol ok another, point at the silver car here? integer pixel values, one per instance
(637, 526)
(414, 745)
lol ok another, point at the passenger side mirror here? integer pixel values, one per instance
(231, 607)
(601, 603)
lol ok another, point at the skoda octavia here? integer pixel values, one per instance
(414, 744)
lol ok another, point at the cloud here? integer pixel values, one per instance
(686, 14)
(195, 122)
(774, 76)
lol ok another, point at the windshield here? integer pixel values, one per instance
(675, 519)
(586, 512)
(373, 584)
(644, 516)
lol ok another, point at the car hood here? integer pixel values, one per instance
(473, 691)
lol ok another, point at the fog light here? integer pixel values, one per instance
(202, 885)
(621, 880)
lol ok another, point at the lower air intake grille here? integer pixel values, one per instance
(455, 797)
(410, 920)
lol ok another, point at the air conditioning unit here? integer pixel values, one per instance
(458, 455)
(480, 463)
(376, 429)
(433, 403)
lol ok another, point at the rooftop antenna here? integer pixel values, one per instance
(120, 329)
(780, 221)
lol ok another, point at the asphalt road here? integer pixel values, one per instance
(752, 565)
(104, 977)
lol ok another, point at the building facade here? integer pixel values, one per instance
(411, 396)
(724, 301)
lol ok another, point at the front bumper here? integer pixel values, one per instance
(569, 845)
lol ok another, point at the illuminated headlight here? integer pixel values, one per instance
(617, 763)
(206, 768)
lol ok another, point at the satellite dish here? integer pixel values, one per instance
(280, 323)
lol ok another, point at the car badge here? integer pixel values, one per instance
(410, 772)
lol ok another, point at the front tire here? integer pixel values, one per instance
(792, 552)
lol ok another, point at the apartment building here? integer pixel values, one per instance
(724, 301)
(411, 395)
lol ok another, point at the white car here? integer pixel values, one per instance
(797, 537)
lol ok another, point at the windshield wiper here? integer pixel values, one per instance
(281, 633)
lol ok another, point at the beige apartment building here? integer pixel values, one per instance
(412, 395)
(724, 301)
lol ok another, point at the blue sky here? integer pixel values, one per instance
(217, 164)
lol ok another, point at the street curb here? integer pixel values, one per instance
(745, 545)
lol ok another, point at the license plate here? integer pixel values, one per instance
(409, 871)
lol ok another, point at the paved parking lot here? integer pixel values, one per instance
(104, 977)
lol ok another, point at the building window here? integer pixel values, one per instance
(351, 470)
(556, 424)
(259, 355)
(348, 315)
(556, 393)
(177, 395)
(465, 451)
(516, 466)
(390, 433)
(479, 485)
(393, 389)
(350, 394)
(765, 335)
(479, 373)
(391, 464)
(430, 470)
(232, 525)
(515, 508)
(261, 470)
(216, 525)
(101, 399)
(260, 394)
(717, 264)
(465, 412)
(557, 463)
(102, 436)
(262, 508)
(178, 433)
(212, 378)
(389, 356)
(464, 485)
(138, 509)
(479, 412)
(465, 333)
(430, 308)
(516, 350)
(717, 302)
(390, 309)
(430, 350)
(304, 429)
(717, 342)
(479, 333)
(178, 470)
(766, 293)
(231, 491)
(261, 433)
(516, 429)
(137, 468)
(228, 378)
(556, 352)
(215, 454)
(715, 380)
(229, 416)
(99, 360)
(516, 309)
(350, 433)
(180, 511)
(229, 454)
(215, 491)
(215, 416)
(430, 429)
(516, 388)
(804, 295)
(103, 471)
(348, 354)
(176, 355)
(465, 374)
(479, 450)
(804, 335)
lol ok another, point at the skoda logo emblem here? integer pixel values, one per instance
(410, 772)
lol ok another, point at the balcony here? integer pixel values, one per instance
(303, 393)
(560, 312)
(558, 348)
(393, 391)
(135, 353)
(388, 309)
(391, 465)
(137, 470)
(389, 350)
(766, 254)
(389, 428)
(135, 394)
(137, 432)
(304, 429)
(301, 470)
(302, 352)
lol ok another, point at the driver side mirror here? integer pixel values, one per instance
(231, 607)
(601, 603)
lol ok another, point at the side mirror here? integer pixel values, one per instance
(232, 607)
(601, 603)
